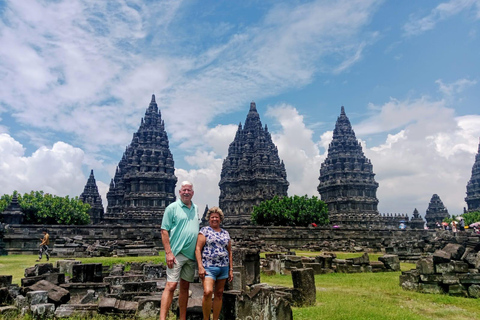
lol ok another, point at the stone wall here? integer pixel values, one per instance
(407, 244)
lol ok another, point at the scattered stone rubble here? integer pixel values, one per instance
(72, 288)
(278, 263)
(79, 247)
(453, 270)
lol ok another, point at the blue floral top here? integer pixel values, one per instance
(215, 253)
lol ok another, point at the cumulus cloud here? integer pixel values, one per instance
(56, 170)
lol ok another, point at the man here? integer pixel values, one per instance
(180, 228)
(45, 241)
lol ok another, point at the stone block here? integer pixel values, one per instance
(317, 267)
(66, 266)
(440, 256)
(153, 271)
(444, 267)
(237, 305)
(118, 280)
(91, 272)
(117, 270)
(5, 297)
(474, 291)
(425, 265)
(470, 278)
(79, 290)
(90, 297)
(30, 272)
(455, 250)
(304, 280)
(457, 290)
(431, 277)
(112, 305)
(391, 261)
(43, 268)
(55, 278)
(460, 266)
(5, 281)
(148, 307)
(410, 276)
(21, 302)
(362, 260)
(410, 286)
(430, 288)
(449, 279)
(37, 297)
(44, 311)
(56, 295)
(76, 310)
(147, 286)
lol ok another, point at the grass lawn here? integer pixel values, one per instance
(339, 296)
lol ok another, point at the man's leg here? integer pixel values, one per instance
(183, 298)
(167, 297)
(40, 252)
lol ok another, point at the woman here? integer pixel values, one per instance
(214, 258)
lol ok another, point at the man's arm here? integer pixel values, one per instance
(170, 258)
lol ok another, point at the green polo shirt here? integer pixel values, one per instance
(182, 225)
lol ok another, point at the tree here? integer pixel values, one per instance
(40, 208)
(291, 211)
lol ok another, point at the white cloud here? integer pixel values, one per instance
(449, 90)
(56, 170)
(440, 13)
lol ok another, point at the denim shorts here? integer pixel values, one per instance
(217, 273)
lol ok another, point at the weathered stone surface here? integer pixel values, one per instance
(56, 294)
(432, 277)
(425, 265)
(43, 268)
(30, 272)
(66, 266)
(444, 267)
(91, 272)
(154, 271)
(44, 311)
(455, 250)
(76, 310)
(5, 297)
(304, 280)
(449, 279)
(147, 286)
(112, 305)
(264, 301)
(364, 259)
(474, 291)
(117, 270)
(457, 290)
(79, 290)
(5, 280)
(391, 261)
(441, 256)
(473, 187)
(22, 302)
(55, 278)
(118, 280)
(460, 266)
(410, 276)
(469, 278)
(91, 196)
(149, 307)
(431, 288)
(410, 286)
(37, 297)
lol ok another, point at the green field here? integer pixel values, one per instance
(339, 296)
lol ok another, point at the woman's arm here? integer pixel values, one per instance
(198, 255)
(230, 259)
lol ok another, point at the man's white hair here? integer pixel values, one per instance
(186, 183)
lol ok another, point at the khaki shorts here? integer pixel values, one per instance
(184, 268)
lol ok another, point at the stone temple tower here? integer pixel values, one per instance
(252, 171)
(144, 182)
(473, 186)
(91, 196)
(436, 212)
(347, 183)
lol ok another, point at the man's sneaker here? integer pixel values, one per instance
(48, 258)
(38, 260)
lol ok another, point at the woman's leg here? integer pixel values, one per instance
(217, 300)
(207, 297)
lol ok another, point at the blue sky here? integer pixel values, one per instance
(77, 76)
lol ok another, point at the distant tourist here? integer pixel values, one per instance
(438, 225)
(462, 224)
(179, 236)
(454, 226)
(215, 265)
(45, 242)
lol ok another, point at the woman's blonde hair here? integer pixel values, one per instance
(215, 210)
